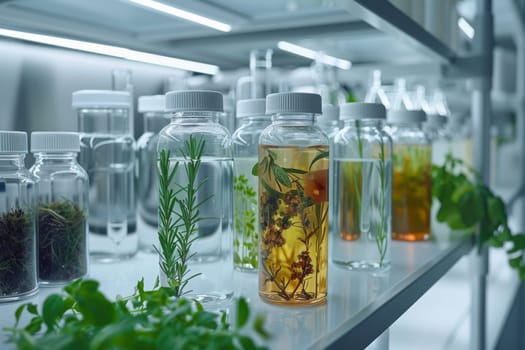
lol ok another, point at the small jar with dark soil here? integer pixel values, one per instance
(18, 266)
(62, 207)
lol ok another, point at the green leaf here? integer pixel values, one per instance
(255, 169)
(515, 262)
(318, 157)
(243, 313)
(32, 309)
(52, 310)
(247, 343)
(281, 175)
(258, 327)
(295, 171)
(93, 305)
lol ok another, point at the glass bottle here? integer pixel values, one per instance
(245, 142)
(18, 276)
(362, 178)
(412, 182)
(194, 116)
(329, 120)
(434, 128)
(293, 202)
(227, 118)
(62, 207)
(152, 108)
(107, 153)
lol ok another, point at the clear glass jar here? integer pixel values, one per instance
(107, 153)
(227, 118)
(245, 141)
(152, 108)
(194, 115)
(62, 207)
(329, 120)
(362, 178)
(412, 178)
(293, 202)
(18, 276)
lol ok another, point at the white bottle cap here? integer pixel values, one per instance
(252, 107)
(330, 113)
(154, 103)
(101, 99)
(57, 142)
(405, 117)
(194, 101)
(13, 142)
(436, 120)
(293, 102)
(362, 110)
(228, 103)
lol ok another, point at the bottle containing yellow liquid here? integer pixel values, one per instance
(293, 202)
(412, 183)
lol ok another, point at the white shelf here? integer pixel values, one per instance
(360, 305)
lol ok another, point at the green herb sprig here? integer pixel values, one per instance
(82, 318)
(179, 214)
(467, 203)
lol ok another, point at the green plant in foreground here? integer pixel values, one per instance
(82, 318)
(466, 203)
(179, 214)
(246, 242)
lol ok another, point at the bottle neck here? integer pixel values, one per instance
(154, 122)
(113, 121)
(12, 161)
(55, 158)
(294, 119)
(255, 120)
(198, 117)
(364, 123)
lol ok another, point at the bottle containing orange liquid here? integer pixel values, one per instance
(293, 202)
(412, 184)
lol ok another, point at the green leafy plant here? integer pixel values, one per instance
(467, 203)
(179, 214)
(246, 242)
(82, 318)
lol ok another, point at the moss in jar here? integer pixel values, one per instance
(62, 241)
(17, 256)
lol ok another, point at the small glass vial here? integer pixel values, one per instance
(245, 141)
(107, 153)
(411, 180)
(62, 204)
(194, 116)
(18, 276)
(152, 108)
(293, 202)
(362, 178)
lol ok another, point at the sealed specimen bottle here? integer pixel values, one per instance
(62, 204)
(152, 108)
(245, 139)
(107, 154)
(18, 276)
(293, 202)
(362, 178)
(201, 150)
(411, 180)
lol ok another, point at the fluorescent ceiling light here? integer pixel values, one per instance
(113, 51)
(311, 54)
(466, 27)
(189, 16)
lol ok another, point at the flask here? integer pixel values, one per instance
(62, 204)
(107, 153)
(152, 108)
(362, 179)
(411, 179)
(245, 140)
(293, 202)
(18, 277)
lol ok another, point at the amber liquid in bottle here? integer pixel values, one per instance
(411, 192)
(293, 210)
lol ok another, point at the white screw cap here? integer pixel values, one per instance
(362, 110)
(57, 142)
(194, 101)
(406, 117)
(153, 103)
(293, 102)
(13, 142)
(101, 99)
(251, 107)
(330, 113)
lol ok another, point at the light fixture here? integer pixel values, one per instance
(311, 54)
(466, 27)
(113, 51)
(189, 16)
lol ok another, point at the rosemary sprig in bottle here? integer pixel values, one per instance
(179, 214)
